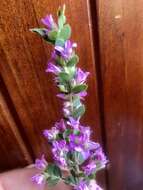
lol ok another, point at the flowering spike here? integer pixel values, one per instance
(71, 143)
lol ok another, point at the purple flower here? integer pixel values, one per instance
(82, 185)
(90, 168)
(76, 143)
(66, 51)
(60, 150)
(51, 134)
(41, 163)
(93, 145)
(62, 96)
(82, 94)
(100, 158)
(93, 185)
(60, 125)
(86, 133)
(52, 68)
(66, 112)
(49, 22)
(39, 179)
(73, 123)
(81, 76)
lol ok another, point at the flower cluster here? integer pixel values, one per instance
(72, 147)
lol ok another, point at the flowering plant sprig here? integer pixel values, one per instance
(72, 148)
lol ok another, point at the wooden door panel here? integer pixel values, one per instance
(13, 152)
(121, 47)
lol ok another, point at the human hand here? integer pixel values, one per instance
(20, 179)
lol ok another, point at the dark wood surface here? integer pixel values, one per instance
(110, 37)
(121, 54)
(13, 151)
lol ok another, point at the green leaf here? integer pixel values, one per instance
(76, 132)
(61, 17)
(53, 170)
(66, 133)
(70, 180)
(40, 31)
(79, 111)
(60, 42)
(53, 174)
(52, 181)
(61, 21)
(52, 35)
(64, 77)
(60, 61)
(73, 61)
(65, 32)
(78, 158)
(43, 33)
(62, 88)
(79, 88)
(70, 70)
(61, 11)
(76, 102)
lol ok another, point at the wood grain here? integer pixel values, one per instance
(12, 146)
(121, 47)
(23, 61)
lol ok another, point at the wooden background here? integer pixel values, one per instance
(109, 34)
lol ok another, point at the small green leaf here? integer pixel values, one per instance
(52, 35)
(60, 42)
(70, 180)
(79, 88)
(64, 77)
(76, 132)
(76, 102)
(66, 133)
(79, 112)
(61, 11)
(61, 17)
(61, 21)
(53, 170)
(78, 158)
(41, 31)
(70, 70)
(62, 88)
(65, 32)
(60, 61)
(52, 181)
(73, 61)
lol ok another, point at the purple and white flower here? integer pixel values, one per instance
(49, 22)
(74, 123)
(93, 185)
(90, 168)
(100, 158)
(67, 51)
(59, 150)
(82, 94)
(39, 179)
(82, 185)
(60, 126)
(52, 68)
(51, 134)
(41, 164)
(81, 76)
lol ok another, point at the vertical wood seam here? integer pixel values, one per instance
(94, 30)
